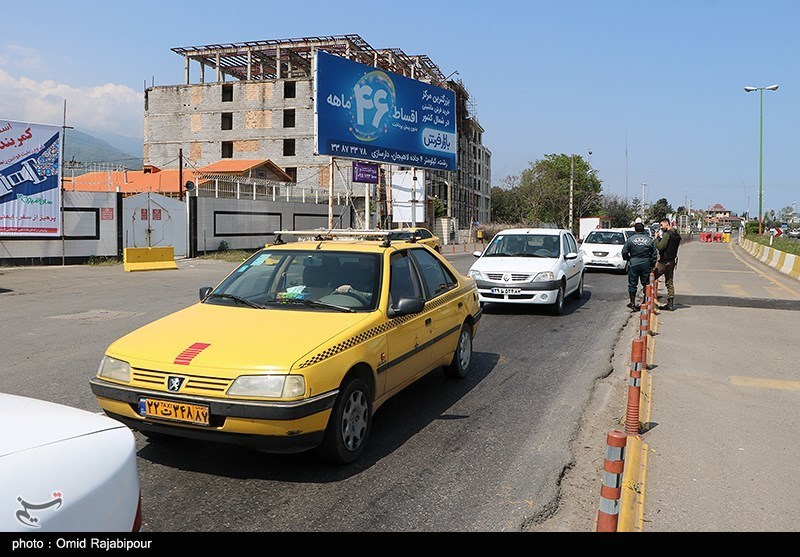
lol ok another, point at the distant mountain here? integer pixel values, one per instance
(82, 147)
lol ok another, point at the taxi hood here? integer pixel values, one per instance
(224, 341)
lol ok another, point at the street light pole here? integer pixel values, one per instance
(749, 89)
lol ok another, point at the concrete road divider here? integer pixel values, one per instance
(149, 259)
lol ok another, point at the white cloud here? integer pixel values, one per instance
(16, 56)
(110, 108)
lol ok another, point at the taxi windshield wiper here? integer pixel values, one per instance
(237, 299)
(310, 303)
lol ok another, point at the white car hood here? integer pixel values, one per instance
(530, 265)
(610, 248)
(26, 423)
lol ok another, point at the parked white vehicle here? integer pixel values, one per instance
(529, 266)
(65, 469)
(602, 249)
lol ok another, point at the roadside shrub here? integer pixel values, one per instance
(779, 243)
(223, 246)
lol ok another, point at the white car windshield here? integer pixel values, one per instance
(605, 237)
(523, 245)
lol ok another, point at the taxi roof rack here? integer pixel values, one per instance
(322, 234)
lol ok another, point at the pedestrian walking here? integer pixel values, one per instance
(640, 252)
(667, 246)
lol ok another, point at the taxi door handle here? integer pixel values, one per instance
(427, 321)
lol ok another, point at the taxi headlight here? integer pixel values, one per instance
(543, 276)
(269, 386)
(111, 368)
(475, 274)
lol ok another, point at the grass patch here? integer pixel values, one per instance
(230, 255)
(101, 261)
(787, 245)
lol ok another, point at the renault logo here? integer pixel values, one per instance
(506, 277)
(174, 383)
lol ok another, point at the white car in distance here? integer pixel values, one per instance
(602, 249)
(529, 266)
(65, 470)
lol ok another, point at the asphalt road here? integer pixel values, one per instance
(482, 454)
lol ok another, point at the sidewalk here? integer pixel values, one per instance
(725, 423)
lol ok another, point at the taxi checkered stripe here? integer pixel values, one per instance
(380, 329)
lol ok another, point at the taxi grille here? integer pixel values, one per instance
(514, 277)
(207, 385)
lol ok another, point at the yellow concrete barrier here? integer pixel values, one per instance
(149, 259)
(631, 504)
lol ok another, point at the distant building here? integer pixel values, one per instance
(259, 105)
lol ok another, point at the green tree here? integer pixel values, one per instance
(439, 210)
(621, 212)
(544, 190)
(658, 210)
(785, 214)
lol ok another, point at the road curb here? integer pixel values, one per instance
(631, 511)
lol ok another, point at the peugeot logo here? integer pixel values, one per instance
(174, 383)
(506, 277)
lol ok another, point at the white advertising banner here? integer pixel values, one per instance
(30, 168)
(402, 187)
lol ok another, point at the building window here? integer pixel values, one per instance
(292, 171)
(227, 149)
(227, 120)
(227, 93)
(288, 118)
(289, 89)
(288, 147)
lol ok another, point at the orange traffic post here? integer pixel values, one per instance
(610, 492)
(644, 317)
(635, 386)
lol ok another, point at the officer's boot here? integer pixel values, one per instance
(632, 305)
(669, 306)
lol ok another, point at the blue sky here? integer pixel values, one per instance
(548, 76)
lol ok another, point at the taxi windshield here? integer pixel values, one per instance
(605, 237)
(303, 280)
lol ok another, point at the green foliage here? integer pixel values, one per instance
(439, 210)
(99, 260)
(751, 227)
(658, 210)
(781, 244)
(621, 212)
(223, 246)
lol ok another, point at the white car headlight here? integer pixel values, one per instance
(269, 386)
(543, 276)
(111, 368)
(475, 274)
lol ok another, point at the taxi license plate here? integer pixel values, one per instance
(175, 411)
(506, 290)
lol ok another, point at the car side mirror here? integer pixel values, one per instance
(204, 292)
(406, 306)
(571, 255)
(477, 253)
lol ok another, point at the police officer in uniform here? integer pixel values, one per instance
(641, 253)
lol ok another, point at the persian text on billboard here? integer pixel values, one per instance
(369, 114)
(30, 162)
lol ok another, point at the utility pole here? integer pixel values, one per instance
(644, 187)
(414, 197)
(626, 166)
(180, 174)
(571, 188)
(330, 196)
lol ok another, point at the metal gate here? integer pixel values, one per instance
(154, 220)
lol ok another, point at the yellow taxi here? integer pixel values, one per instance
(297, 347)
(418, 234)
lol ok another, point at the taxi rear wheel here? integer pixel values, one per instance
(349, 424)
(459, 367)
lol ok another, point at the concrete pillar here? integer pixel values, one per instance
(219, 71)
(186, 67)
(202, 72)
(278, 63)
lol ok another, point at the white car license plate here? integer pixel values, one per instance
(598, 260)
(506, 290)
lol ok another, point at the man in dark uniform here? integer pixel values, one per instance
(640, 251)
(667, 246)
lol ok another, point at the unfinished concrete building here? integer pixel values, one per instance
(254, 100)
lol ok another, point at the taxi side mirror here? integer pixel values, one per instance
(571, 255)
(204, 292)
(406, 306)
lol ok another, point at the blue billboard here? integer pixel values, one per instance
(369, 114)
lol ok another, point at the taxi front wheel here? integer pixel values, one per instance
(349, 424)
(459, 367)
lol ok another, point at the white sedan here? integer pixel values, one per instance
(529, 266)
(602, 249)
(65, 469)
